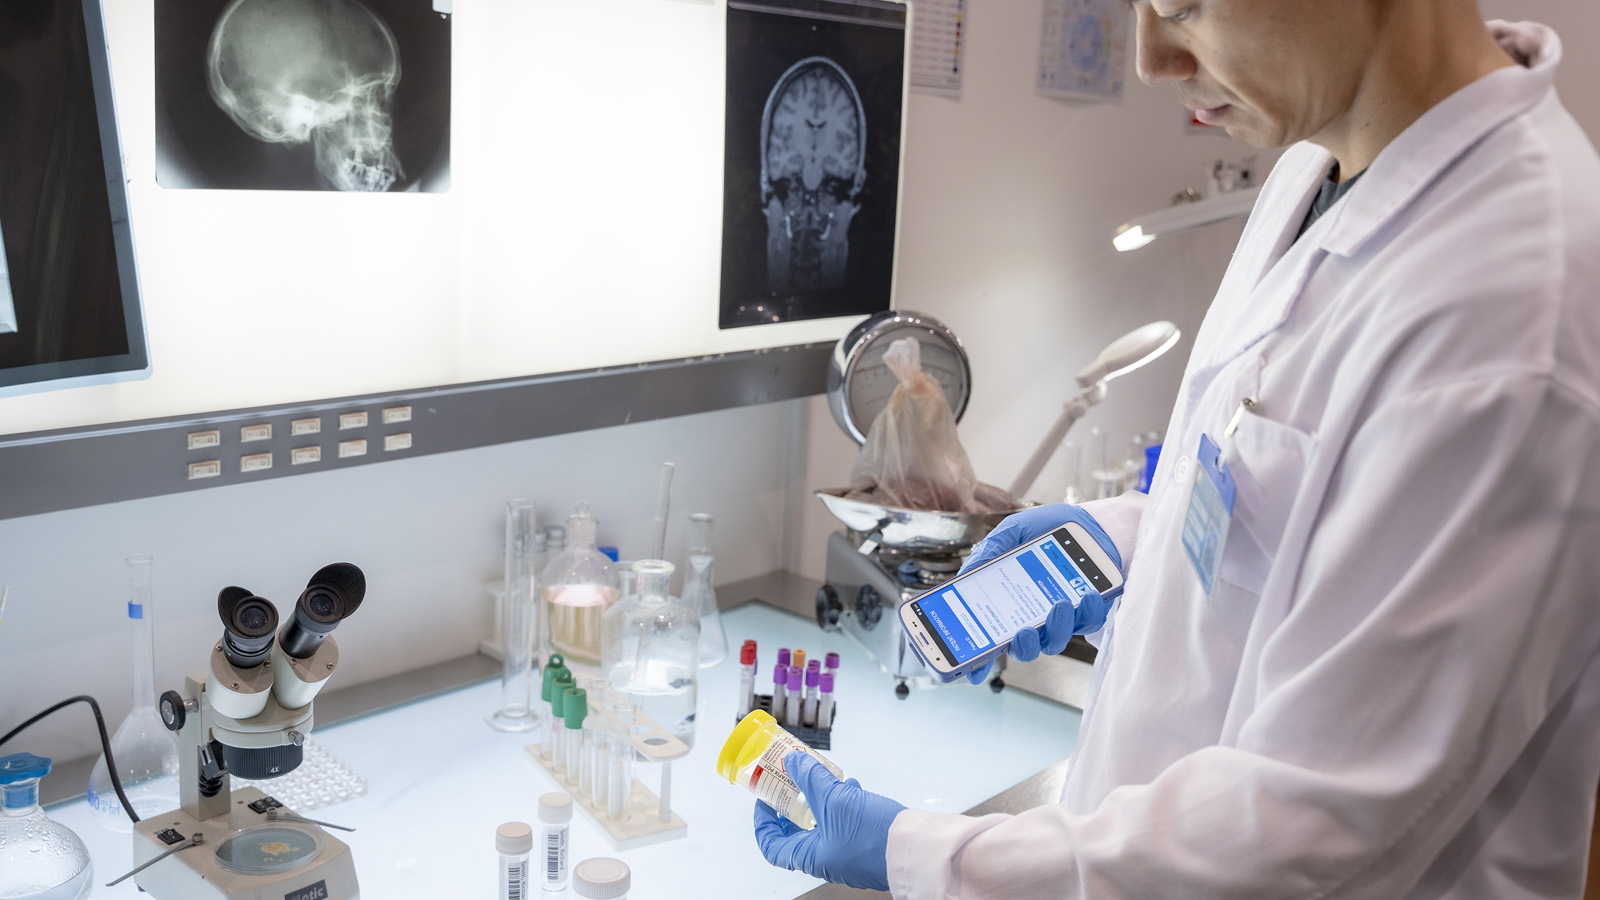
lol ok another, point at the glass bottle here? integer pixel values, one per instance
(146, 752)
(579, 585)
(39, 859)
(652, 650)
(521, 623)
(699, 589)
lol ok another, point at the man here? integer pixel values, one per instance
(1390, 689)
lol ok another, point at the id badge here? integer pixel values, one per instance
(1205, 526)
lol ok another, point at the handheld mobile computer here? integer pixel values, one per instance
(970, 619)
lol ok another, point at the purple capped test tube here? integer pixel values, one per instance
(792, 698)
(825, 702)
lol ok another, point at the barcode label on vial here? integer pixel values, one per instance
(555, 856)
(517, 881)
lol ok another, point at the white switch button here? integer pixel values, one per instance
(200, 440)
(302, 455)
(305, 426)
(397, 441)
(255, 462)
(396, 414)
(352, 448)
(352, 420)
(210, 468)
(250, 433)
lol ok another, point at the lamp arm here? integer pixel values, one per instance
(1070, 413)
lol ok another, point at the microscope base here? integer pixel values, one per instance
(328, 872)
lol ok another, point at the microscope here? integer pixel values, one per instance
(248, 715)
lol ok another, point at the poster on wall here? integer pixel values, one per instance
(1083, 49)
(303, 95)
(812, 158)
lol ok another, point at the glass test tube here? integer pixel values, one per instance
(516, 677)
(825, 701)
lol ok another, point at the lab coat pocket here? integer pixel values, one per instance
(1268, 464)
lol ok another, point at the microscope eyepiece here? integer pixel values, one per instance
(248, 622)
(332, 595)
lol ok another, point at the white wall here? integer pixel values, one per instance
(426, 531)
(1010, 203)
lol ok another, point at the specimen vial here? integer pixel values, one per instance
(513, 841)
(555, 821)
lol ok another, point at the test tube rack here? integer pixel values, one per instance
(815, 738)
(642, 824)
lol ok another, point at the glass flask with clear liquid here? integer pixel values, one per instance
(146, 752)
(40, 859)
(699, 590)
(652, 650)
(578, 586)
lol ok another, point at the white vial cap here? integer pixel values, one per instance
(513, 838)
(601, 878)
(555, 806)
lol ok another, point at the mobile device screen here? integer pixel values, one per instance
(985, 607)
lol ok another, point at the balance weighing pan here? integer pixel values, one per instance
(916, 531)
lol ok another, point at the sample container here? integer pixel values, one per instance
(602, 878)
(513, 841)
(753, 756)
(555, 823)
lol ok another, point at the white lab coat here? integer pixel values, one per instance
(1393, 691)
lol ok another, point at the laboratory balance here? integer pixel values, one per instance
(887, 555)
(248, 715)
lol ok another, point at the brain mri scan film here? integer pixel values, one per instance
(812, 158)
(344, 95)
(813, 165)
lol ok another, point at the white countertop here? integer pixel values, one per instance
(440, 780)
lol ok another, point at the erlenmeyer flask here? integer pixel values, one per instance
(699, 590)
(146, 752)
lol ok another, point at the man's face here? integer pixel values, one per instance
(1271, 72)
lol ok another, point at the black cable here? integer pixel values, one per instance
(105, 744)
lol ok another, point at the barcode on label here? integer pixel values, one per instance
(517, 883)
(555, 855)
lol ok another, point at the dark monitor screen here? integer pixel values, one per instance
(69, 294)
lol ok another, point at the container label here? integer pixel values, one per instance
(770, 783)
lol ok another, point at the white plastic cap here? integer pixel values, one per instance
(555, 806)
(513, 838)
(601, 878)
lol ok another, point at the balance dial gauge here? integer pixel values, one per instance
(860, 383)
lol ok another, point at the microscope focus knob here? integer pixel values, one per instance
(173, 710)
(829, 608)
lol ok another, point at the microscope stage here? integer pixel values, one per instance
(257, 851)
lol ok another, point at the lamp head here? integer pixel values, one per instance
(1134, 349)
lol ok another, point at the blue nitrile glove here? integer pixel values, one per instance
(850, 844)
(1064, 620)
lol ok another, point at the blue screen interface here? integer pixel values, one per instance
(983, 608)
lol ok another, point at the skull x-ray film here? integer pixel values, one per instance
(336, 95)
(69, 293)
(812, 158)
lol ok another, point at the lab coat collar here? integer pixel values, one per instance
(1274, 267)
(1412, 162)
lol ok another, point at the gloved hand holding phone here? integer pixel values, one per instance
(1064, 620)
(850, 843)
